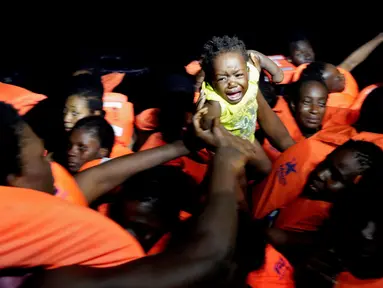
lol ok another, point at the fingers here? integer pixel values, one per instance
(197, 119)
(201, 101)
(254, 59)
(218, 132)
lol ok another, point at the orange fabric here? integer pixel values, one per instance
(287, 68)
(160, 246)
(276, 272)
(147, 120)
(90, 164)
(119, 150)
(184, 215)
(288, 176)
(119, 114)
(362, 96)
(189, 166)
(343, 99)
(346, 280)
(337, 135)
(298, 72)
(21, 99)
(66, 186)
(111, 81)
(193, 68)
(339, 116)
(40, 230)
(351, 87)
(164, 240)
(289, 173)
(333, 116)
(196, 97)
(303, 215)
(283, 112)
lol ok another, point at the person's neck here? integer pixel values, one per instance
(307, 133)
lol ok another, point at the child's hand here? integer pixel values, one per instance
(261, 61)
(206, 136)
(255, 60)
(201, 100)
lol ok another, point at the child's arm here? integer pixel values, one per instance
(360, 54)
(275, 131)
(213, 112)
(258, 159)
(267, 64)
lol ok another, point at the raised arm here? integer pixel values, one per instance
(267, 64)
(202, 254)
(360, 54)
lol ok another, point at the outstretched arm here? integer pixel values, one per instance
(360, 54)
(185, 264)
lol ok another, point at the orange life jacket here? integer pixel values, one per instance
(342, 99)
(21, 99)
(111, 81)
(119, 114)
(38, 230)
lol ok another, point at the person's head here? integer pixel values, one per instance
(23, 163)
(85, 99)
(357, 228)
(149, 203)
(342, 168)
(372, 109)
(308, 102)
(91, 138)
(350, 239)
(301, 50)
(224, 61)
(334, 80)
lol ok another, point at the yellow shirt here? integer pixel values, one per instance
(239, 119)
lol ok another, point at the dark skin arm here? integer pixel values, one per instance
(203, 120)
(182, 265)
(267, 64)
(274, 129)
(361, 54)
(99, 180)
(292, 244)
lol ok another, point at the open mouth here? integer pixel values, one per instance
(234, 96)
(68, 127)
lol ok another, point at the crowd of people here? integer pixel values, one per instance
(253, 171)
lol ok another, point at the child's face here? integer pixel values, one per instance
(84, 147)
(230, 79)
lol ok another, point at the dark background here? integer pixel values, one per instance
(52, 41)
(44, 45)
